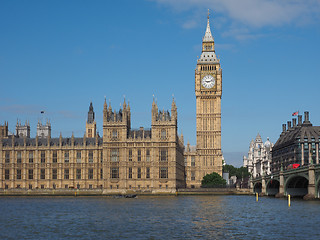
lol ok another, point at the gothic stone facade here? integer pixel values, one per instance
(123, 161)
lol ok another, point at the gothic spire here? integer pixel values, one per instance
(90, 114)
(208, 36)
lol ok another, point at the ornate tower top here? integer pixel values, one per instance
(90, 114)
(208, 55)
(208, 36)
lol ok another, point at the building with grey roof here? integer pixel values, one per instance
(298, 143)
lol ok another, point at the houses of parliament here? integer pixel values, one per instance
(122, 160)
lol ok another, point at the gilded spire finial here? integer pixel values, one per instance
(208, 13)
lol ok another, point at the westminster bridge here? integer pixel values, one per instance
(303, 181)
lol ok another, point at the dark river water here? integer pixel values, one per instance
(170, 217)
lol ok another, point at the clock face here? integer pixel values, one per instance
(208, 81)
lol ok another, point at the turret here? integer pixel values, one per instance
(174, 113)
(23, 130)
(91, 126)
(43, 131)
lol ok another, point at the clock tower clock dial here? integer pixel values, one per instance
(208, 81)
(208, 91)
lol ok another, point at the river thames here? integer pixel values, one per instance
(158, 217)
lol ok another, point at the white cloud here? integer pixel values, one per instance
(255, 13)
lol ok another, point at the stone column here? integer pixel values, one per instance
(311, 185)
(310, 153)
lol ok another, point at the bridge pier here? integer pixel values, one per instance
(263, 183)
(311, 185)
(281, 185)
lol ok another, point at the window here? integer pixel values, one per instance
(6, 174)
(8, 157)
(66, 157)
(193, 176)
(66, 186)
(130, 172)
(31, 157)
(90, 186)
(101, 158)
(139, 172)
(54, 157)
(90, 173)
(148, 155)
(114, 155)
(114, 134)
(42, 173)
(163, 172)
(147, 172)
(66, 174)
(42, 186)
(54, 173)
(101, 173)
(185, 161)
(139, 155)
(89, 133)
(114, 172)
(18, 157)
(163, 134)
(90, 156)
(193, 161)
(30, 173)
(130, 155)
(78, 156)
(43, 156)
(78, 173)
(163, 155)
(18, 173)
(30, 186)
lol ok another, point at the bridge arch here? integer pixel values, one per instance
(257, 188)
(272, 187)
(296, 185)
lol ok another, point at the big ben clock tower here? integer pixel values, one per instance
(208, 90)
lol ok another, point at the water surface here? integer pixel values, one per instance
(170, 217)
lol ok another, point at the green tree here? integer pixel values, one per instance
(241, 172)
(213, 180)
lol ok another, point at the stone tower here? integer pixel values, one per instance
(4, 130)
(23, 130)
(208, 90)
(91, 126)
(44, 131)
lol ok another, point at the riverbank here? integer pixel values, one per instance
(101, 192)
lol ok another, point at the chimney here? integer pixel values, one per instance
(299, 120)
(294, 122)
(284, 127)
(289, 125)
(306, 117)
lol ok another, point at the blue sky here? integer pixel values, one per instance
(58, 56)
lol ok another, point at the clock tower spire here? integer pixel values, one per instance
(208, 91)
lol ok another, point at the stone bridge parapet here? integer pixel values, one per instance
(302, 181)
